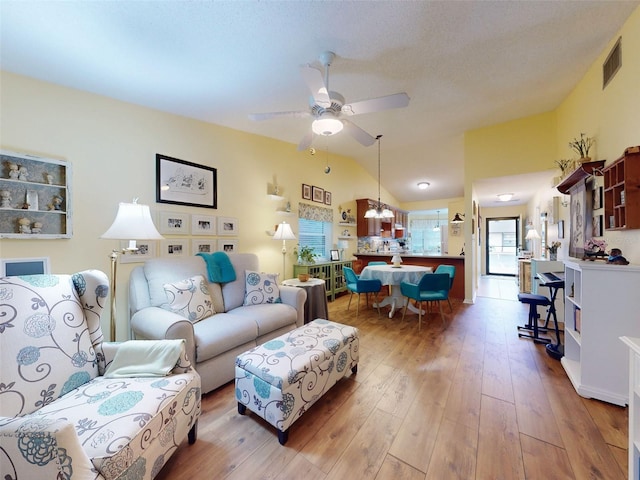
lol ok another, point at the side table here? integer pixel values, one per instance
(316, 304)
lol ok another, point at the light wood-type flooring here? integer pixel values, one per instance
(469, 401)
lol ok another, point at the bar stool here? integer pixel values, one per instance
(532, 325)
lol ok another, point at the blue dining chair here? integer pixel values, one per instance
(451, 270)
(377, 263)
(433, 287)
(359, 286)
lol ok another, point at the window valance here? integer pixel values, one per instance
(313, 212)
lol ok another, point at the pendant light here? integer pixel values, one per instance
(437, 227)
(378, 212)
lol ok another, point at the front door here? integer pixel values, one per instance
(502, 245)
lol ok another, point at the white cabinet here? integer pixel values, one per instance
(601, 304)
(35, 197)
(634, 406)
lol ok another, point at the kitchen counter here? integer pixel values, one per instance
(457, 290)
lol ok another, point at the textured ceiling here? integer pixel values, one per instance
(464, 64)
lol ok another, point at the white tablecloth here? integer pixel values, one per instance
(389, 275)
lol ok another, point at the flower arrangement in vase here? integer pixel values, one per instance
(582, 146)
(594, 248)
(553, 250)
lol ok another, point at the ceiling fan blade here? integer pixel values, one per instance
(359, 134)
(257, 117)
(398, 100)
(313, 78)
(306, 141)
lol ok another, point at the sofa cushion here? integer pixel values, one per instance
(190, 298)
(261, 288)
(115, 418)
(233, 292)
(221, 333)
(269, 317)
(159, 271)
(45, 345)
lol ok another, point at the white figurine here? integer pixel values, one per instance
(23, 174)
(13, 171)
(49, 178)
(24, 225)
(56, 202)
(5, 199)
(37, 227)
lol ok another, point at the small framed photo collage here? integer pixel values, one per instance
(316, 194)
(186, 235)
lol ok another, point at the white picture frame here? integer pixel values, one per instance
(146, 250)
(203, 225)
(10, 267)
(203, 245)
(174, 247)
(228, 245)
(228, 226)
(174, 223)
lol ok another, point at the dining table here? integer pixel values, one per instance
(393, 276)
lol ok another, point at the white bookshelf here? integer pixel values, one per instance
(634, 406)
(608, 299)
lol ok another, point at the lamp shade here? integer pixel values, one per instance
(532, 234)
(457, 218)
(133, 222)
(396, 260)
(284, 232)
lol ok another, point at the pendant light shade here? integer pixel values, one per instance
(378, 211)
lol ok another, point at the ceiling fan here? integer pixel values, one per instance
(329, 109)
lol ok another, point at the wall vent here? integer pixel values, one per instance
(612, 64)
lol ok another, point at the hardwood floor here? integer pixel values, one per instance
(472, 401)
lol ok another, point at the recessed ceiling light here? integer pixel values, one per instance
(423, 185)
(505, 197)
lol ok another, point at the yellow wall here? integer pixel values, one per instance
(534, 143)
(112, 147)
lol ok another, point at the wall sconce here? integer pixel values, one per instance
(457, 218)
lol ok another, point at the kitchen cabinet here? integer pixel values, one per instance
(380, 227)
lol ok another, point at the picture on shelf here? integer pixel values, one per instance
(597, 197)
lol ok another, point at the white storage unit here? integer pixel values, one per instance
(602, 303)
(634, 406)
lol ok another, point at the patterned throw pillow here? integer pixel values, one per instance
(189, 298)
(261, 288)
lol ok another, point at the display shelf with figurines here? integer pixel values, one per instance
(35, 197)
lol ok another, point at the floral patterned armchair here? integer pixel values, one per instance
(60, 416)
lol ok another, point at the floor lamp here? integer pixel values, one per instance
(133, 222)
(284, 233)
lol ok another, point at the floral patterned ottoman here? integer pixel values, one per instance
(282, 378)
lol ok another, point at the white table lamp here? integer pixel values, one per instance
(343, 245)
(284, 233)
(396, 260)
(133, 222)
(533, 235)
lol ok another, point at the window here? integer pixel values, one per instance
(315, 234)
(423, 238)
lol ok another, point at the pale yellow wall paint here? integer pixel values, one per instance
(611, 116)
(112, 147)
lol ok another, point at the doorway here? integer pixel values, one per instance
(502, 246)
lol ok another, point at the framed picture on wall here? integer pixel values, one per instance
(203, 225)
(146, 250)
(227, 226)
(560, 228)
(318, 194)
(306, 191)
(174, 223)
(174, 247)
(597, 198)
(597, 225)
(327, 198)
(185, 183)
(228, 245)
(203, 246)
(11, 267)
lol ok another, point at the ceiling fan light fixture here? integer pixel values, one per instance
(326, 124)
(423, 185)
(505, 197)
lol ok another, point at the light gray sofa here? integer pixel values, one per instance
(214, 342)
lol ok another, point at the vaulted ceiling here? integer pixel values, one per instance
(464, 64)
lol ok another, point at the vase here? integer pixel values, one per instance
(553, 256)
